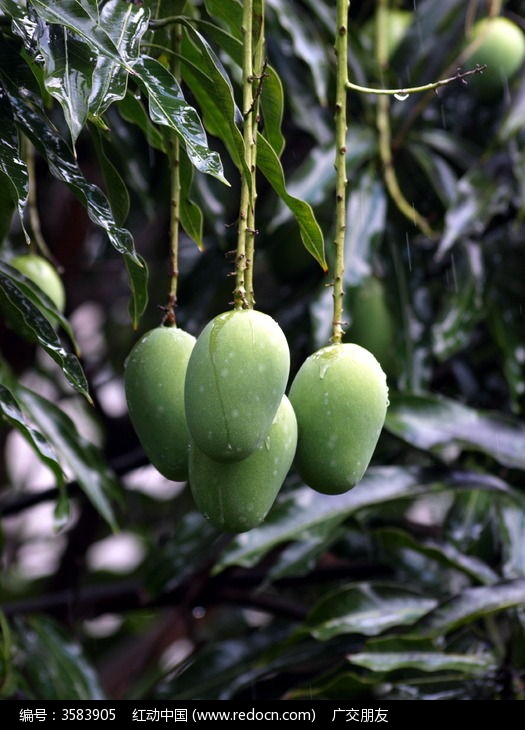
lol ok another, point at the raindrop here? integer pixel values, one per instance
(401, 96)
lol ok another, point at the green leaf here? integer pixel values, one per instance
(366, 608)
(470, 605)
(13, 170)
(439, 172)
(437, 424)
(64, 167)
(68, 69)
(191, 215)
(40, 299)
(83, 19)
(132, 110)
(394, 543)
(511, 523)
(11, 412)
(311, 234)
(168, 107)
(81, 457)
(302, 510)
(229, 13)
(209, 83)
(27, 317)
(116, 190)
(125, 24)
(272, 109)
(426, 661)
(53, 665)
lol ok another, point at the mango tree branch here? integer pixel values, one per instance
(403, 92)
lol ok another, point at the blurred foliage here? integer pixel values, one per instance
(411, 585)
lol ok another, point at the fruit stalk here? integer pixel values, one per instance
(170, 317)
(341, 50)
(243, 295)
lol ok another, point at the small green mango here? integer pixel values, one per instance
(236, 377)
(44, 275)
(340, 397)
(154, 383)
(237, 496)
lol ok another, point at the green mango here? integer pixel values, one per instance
(154, 383)
(340, 397)
(236, 377)
(237, 496)
(44, 274)
(501, 47)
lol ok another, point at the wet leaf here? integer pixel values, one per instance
(464, 664)
(209, 83)
(272, 108)
(168, 107)
(12, 413)
(68, 69)
(302, 510)
(27, 317)
(311, 234)
(230, 14)
(80, 456)
(436, 423)
(125, 25)
(393, 543)
(13, 171)
(83, 19)
(470, 605)
(365, 608)
(132, 110)
(116, 189)
(64, 167)
(52, 664)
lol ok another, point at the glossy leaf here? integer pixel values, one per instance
(365, 608)
(168, 107)
(209, 83)
(53, 665)
(40, 299)
(470, 605)
(311, 234)
(436, 423)
(303, 510)
(27, 315)
(191, 214)
(272, 108)
(65, 168)
(512, 530)
(230, 14)
(132, 110)
(116, 189)
(13, 171)
(125, 24)
(12, 413)
(68, 69)
(479, 197)
(83, 19)
(464, 664)
(80, 456)
(393, 544)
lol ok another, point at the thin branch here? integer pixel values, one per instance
(404, 92)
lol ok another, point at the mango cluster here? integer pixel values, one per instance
(213, 410)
